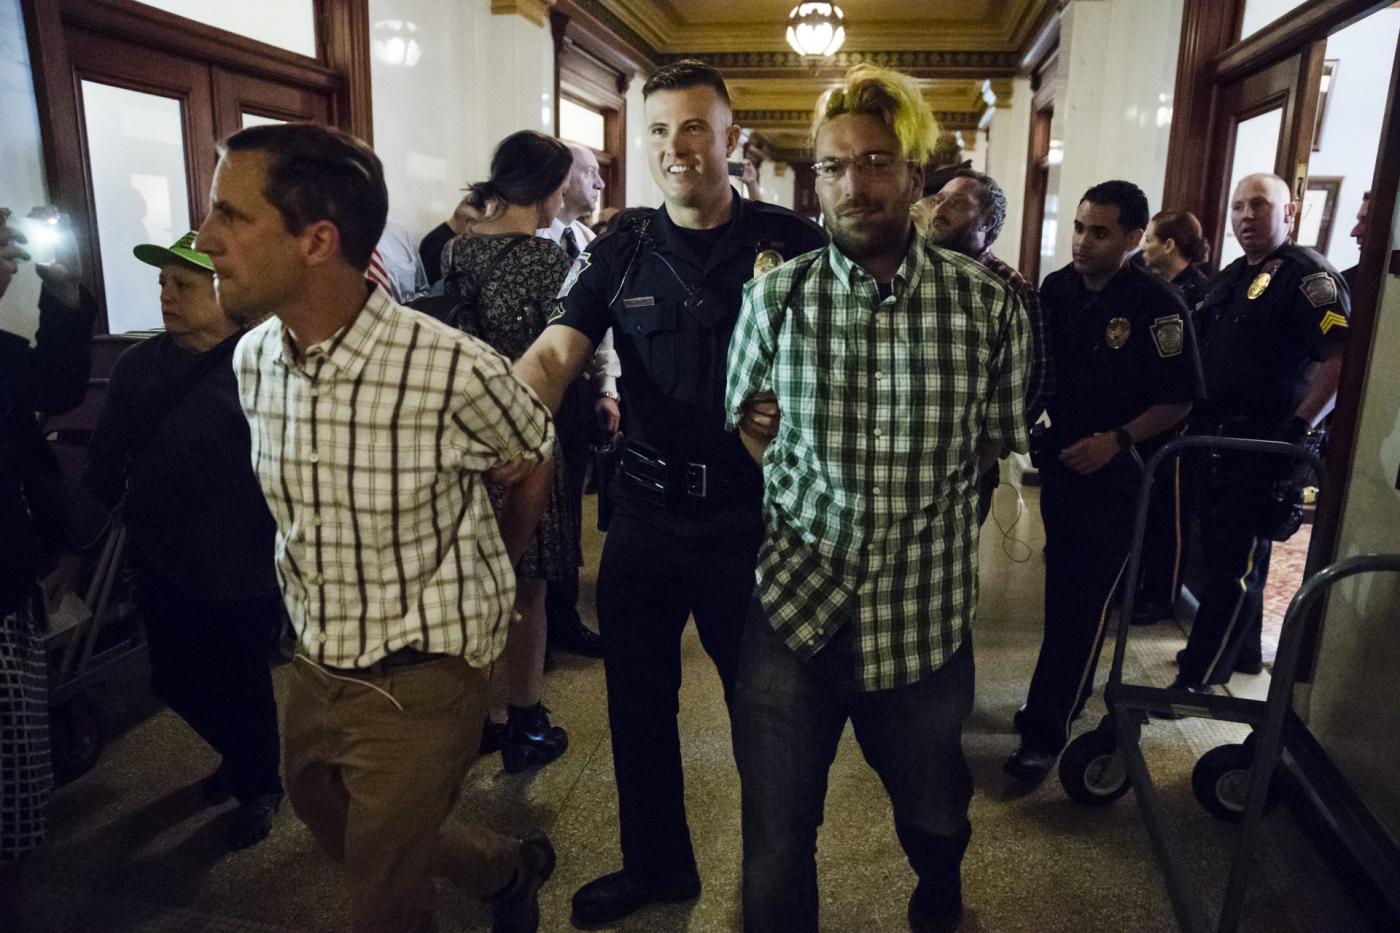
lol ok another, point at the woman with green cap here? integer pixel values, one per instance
(172, 448)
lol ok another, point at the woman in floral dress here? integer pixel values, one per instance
(515, 277)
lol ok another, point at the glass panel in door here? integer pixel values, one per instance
(136, 155)
(1256, 148)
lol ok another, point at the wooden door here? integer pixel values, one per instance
(1265, 123)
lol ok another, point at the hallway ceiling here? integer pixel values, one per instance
(964, 52)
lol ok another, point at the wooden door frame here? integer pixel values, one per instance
(1212, 58)
(341, 70)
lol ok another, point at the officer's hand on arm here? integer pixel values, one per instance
(1090, 454)
(554, 361)
(761, 416)
(608, 412)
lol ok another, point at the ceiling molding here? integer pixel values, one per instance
(926, 63)
(536, 11)
(668, 33)
(603, 17)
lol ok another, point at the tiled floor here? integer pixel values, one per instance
(131, 850)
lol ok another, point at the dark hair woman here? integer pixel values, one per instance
(515, 277)
(1175, 248)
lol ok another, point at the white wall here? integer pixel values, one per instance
(1351, 706)
(22, 158)
(1005, 143)
(777, 189)
(1260, 13)
(1113, 112)
(641, 189)
(1352, 131)
(479, 77)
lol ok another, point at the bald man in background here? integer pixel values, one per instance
(1278, 322)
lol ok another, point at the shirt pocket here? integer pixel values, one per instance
(653, 329)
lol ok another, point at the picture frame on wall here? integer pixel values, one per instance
(1318, 213)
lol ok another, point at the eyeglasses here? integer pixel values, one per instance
(872, 165)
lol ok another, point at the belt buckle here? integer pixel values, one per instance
(697, 480)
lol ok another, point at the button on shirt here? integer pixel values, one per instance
(371, 453)
(869, 484)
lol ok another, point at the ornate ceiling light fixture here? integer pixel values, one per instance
(816, 30)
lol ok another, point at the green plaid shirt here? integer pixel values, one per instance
(869, 486)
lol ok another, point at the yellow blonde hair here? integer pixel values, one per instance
(889, 96)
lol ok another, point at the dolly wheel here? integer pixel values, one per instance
(1220, 781)
(75, 734)
(1091, 770)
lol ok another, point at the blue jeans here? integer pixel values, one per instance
(789, 715)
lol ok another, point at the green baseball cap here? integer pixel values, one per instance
(182, 252)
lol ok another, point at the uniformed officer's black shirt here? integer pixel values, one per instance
(672, 318)
(1117, 352)
(1261, 351)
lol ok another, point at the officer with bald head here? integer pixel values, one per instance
(1278, 321)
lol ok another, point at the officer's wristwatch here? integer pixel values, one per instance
(1124, 439)
(604, 393)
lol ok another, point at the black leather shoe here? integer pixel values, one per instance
(252, 821)
(529, 739)
(934, 911)
(1029, 766)
(516, 908)
(614, 896)
(491, 734)
(576, 638)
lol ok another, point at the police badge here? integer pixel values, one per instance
(766, 261)
(1261, 282)
(1168, 334)
(1116, 334)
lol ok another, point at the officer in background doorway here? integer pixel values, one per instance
(685, 519)
(1278, 322)
(1126, 374)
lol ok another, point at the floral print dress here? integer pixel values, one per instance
(511, 310)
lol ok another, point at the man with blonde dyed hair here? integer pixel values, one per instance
(897, 367)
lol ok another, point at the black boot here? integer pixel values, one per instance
(530, 739)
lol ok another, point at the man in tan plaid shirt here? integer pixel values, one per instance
(373, 429)
(898, 366)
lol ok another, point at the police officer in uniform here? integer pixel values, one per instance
(685, 517)
(1126, 374)
(1278, 324)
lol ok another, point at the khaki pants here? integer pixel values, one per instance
(377, 784)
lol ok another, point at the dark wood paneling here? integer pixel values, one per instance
(1207, 28)
(1033, 209)
(1365, 311)
(345, 48)
(156, 29)
(1313, 21)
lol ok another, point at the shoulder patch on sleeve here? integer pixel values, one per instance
(1320, 289)
(580, 264)
(1168, 333)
